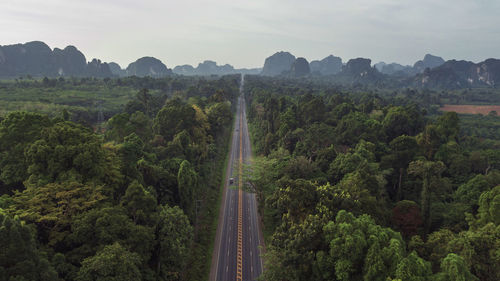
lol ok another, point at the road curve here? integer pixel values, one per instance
(238, 242)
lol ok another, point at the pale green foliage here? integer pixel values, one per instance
(489, 206)
(453, 268)
(359, 247)
(53, 206)
(413, 268)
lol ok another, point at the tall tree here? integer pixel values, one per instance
(113, 263)
(430, 172)
(453, 268)
(187, 180)
(174, 236)
(17, 131)
(140, 204)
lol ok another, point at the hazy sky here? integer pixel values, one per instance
(244, 33)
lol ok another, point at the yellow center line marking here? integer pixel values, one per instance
(239, 262)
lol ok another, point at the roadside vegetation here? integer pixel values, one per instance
(369, 184)
(122, 178)
(133, 201)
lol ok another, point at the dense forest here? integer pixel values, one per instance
(132, 199)
(119, 179)
(369, 184)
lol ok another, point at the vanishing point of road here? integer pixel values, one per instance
(239, 240)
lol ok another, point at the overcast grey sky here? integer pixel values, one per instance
(244, 33)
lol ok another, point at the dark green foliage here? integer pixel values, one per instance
(17, 131)
(327, 151)
(100, 208)
(430, 172)
(20, 258)
(174, 238)
(355, 126)
(139, 204)
(174, 117)
(113, 263)
(99, 227)
(188, 187)
(124, 124)
(65, 152)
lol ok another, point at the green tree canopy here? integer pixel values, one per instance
(66, 152)
(174, 237)
(53, 207)
(187, 180)
(359, 247)
(17, 131)
(112, 263)
(140, 204)
(19, 257)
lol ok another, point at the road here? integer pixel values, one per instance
(238, 241)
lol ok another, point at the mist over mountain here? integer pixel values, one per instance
(300, 68)
(116, 69)
(429, 61)
(148, 66)
(278, 63)
(398, 70)
(394, 69)
(328, 66)
(455, 74)
(359, 70)
(209, 67)
(37, 59)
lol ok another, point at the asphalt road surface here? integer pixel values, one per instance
(237, 250)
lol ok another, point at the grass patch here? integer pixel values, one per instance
(34, 96)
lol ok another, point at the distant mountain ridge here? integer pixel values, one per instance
(330, 65)
(37, 59)
(429, 61)
(430, 72)
(148, 66)
(455, 74)
(278, 64)
(209, 67)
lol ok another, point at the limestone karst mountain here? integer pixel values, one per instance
(148, 66)
(278, 63)
(328, 66)
(38, 59)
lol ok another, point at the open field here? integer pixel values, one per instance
(471, 109)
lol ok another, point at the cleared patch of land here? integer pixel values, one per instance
(471, 109)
